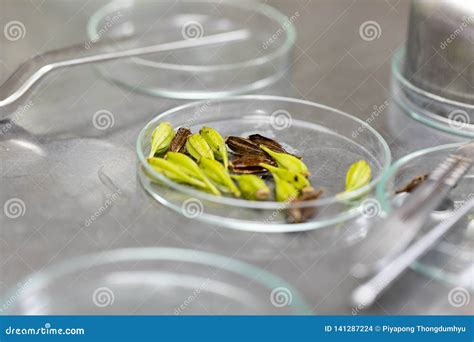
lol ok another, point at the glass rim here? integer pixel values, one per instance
(386, 205)
(261, 8)
(198, 194)
(430, 119)
(266, 279)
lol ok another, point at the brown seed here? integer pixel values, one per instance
(270, 143)
(249, 164)
(300, 215)
(179, 140)
(413, 184)
(242, 146)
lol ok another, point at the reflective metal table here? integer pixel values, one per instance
(63, 168)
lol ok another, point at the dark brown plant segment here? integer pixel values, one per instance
(249, 164)
(413, 184)
(179, 140)
(300, 215)
(243, 146)
(270, 143)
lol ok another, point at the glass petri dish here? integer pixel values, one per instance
(329, 140)
(196, 73)
(449, 119)
(451, 260)
(156, 281)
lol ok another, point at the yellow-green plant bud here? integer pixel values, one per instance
(284, 191)
(161, 139)
(358, 175)
(219, 175)
(198, 147)
(298, 180)
(189, 166)
(217, 144)
(288, 161)
(252, 187)
(173, 172)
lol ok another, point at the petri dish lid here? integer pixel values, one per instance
(201, 72)
(151, 281)
(329, 141)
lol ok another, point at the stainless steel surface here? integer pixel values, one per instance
(17, 86)
(63, 168)
(367, 293)
(401, 226)
(440, 48)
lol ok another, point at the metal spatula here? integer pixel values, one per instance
(366, 294)
(400, 228)
(30, 72)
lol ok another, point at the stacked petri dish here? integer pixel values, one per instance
(432, 77)
(420, 119)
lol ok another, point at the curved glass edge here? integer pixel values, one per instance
(265, 9)
(255, 226)
(299, 306)
(256, 204)
(183, 95)
(437, 274)
(384, 200)
(397, 61)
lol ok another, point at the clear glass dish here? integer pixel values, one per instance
(328, 139)
(156, 281)
(427, 113)
(451, 260)
(197, 73)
